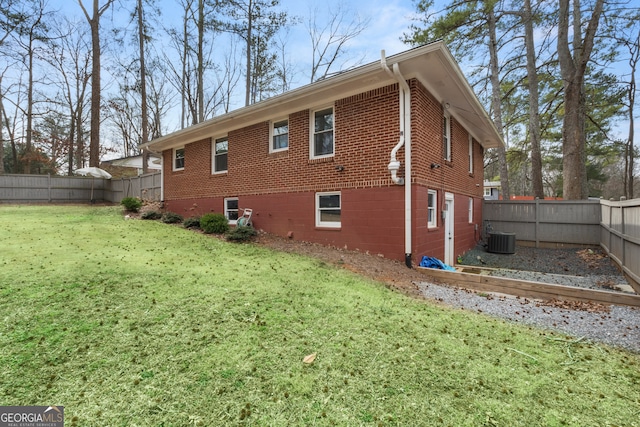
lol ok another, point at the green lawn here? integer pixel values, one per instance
(138, 323)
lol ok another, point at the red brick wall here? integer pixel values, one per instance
(452, 177)
(281, 187)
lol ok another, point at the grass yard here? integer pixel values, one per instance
(138, 323)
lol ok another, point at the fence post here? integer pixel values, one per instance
(537, 227)
(624, 236)
(49, 186)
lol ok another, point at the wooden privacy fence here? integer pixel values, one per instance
(146, 187)
(76, 189)
(615, 226)
(620, 234)
(545, 222)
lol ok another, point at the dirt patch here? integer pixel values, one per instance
(394, 274)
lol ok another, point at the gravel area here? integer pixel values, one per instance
(614, 325)
(585, 268)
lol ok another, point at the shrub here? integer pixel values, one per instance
(132, 204)
(151, 215)
(192, 222)
(215, 223)
(242, 233)
(171, 218)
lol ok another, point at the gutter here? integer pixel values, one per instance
(405, 139)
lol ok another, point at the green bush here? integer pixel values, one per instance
(151, 215)
(171, 218)
(132, 204)
(214, 223)
(242, 233)
(192, 222)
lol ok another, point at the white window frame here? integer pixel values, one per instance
(432, 210)
(227, 211)
(487, 191)
(446, 136)
(272, 135)
(470, 154)
(470, 210)
(328, 224)
(312, 133)
(214, 141)
(174, 158)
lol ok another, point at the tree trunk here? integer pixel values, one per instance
(496, 100)
(573, 68)
(183, 86)
(94, 24)
(249, 37)
(574, 169)
(29, 130)
(94, 142)
(2, 171)
(200, 117)
(143, 90)
(72, 134)
(630, 152)
(534, 115)
(79, 154)
(12, 136)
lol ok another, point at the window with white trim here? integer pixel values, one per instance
(279, 135)
(446, 136)
(321, 144)
(432, 203)
(470, 210)
(487, 191)
(178, 159)
(220, 150)
(470, 154)
(328, 209)
(231, 209)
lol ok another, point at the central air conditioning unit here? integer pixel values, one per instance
(502, 243)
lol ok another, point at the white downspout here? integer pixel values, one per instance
(405, 139)
(162, 178)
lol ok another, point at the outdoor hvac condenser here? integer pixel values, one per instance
(502, 243)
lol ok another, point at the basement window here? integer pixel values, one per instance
(328, 210)
(432, 202)
(231, 209)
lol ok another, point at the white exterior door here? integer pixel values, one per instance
(449, 257)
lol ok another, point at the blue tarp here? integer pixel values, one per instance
(431, 262)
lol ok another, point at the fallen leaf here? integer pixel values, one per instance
(309, 359)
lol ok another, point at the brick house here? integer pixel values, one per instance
(385, 158)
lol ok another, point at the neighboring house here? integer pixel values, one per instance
(135, 162)
(386, 158)
(491, 190)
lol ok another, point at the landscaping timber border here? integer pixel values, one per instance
(529, 289)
